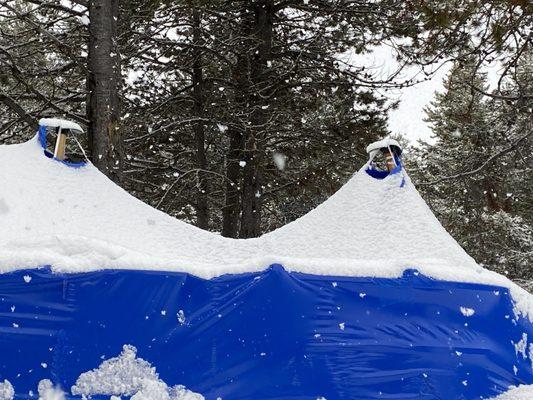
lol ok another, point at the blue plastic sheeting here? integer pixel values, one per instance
(382, 174)
(41, 133)
(267, 335)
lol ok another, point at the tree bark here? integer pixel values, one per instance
(252, 174)
(105, 136)
(231, 210)
(202, 210)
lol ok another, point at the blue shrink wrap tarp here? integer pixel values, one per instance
(266, 335)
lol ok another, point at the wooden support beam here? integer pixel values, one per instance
(61, 144)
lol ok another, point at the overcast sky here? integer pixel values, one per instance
(408, 119)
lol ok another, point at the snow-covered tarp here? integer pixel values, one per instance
(78, 220)
(364, 296)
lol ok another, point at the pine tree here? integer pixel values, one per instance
(272, 89)
(471, 175)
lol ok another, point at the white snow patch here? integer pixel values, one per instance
(181, 317)
(127, 375)
(6, 390)
(62, 123)
(47, 391)
(522, 392)
(521, 346)
(84, 20)
(467, 312)
(280, 160)
(342, 325)
(27, 278)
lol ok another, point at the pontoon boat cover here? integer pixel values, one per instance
(365, 297)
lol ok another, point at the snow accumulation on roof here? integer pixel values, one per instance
(77, 220)
(60, 123)
(382, 144)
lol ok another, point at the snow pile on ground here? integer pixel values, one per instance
(127, 375)
(47, 391)
(6, 390)
(77, 220)
(522, 392)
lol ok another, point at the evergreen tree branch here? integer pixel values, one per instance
(506, 150)
(17, 109)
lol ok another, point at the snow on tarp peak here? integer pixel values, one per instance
(60, 123)
(78, 220)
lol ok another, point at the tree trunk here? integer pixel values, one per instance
(202, 211)
(254, 138)
(105, 137)
(231, 210)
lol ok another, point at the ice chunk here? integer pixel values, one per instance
(122, 375)
(6, 390)
(127, 375)
(181, 317)
(152, 390)
(467, 312)
(521, 346)
(47, 391)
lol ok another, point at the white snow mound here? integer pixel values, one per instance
(127, 375)
(47, 391)
(77, 220)
(522, 392)
(6, 390)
